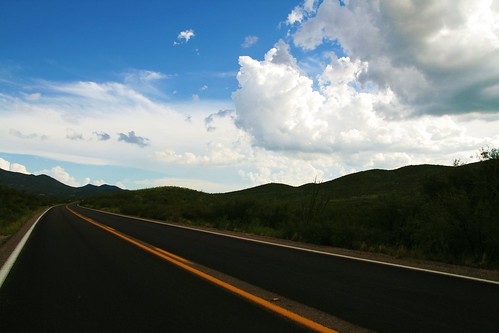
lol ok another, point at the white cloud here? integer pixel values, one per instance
(61, 175)
(299, 13)
(184, 36)
(286, 111)
(283, 125)
(436, 57)
(14, 167)
(4, 164)
(98, 182)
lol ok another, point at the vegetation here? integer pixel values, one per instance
(16, 208)
(22, 195)
(448, 214)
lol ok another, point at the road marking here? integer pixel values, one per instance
(186, 264)
(309, 250)
(5, 269)
(149, 248)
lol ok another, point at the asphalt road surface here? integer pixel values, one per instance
(74, 277)
(69, 264)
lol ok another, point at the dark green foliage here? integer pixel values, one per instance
(488, 154)
(441, 213)
(16, 208)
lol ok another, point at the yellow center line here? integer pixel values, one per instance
(186, 264)
(149, 248)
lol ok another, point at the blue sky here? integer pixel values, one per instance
(102, 40)
(224, 95)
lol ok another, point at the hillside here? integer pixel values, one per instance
(432, 212)
(45, 185)
(22, 195)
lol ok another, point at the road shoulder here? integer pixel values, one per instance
(9, 244)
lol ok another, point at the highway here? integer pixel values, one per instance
(73, 273)
(74, 277)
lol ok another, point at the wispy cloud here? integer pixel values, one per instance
(249, 41)
(73, 135)
(19, 134)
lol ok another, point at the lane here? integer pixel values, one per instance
(75, 277)
(382, 298)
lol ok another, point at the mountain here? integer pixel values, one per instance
(45, 185)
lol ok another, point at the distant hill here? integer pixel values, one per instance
(431, 212)
(45, 185)
(370, 182)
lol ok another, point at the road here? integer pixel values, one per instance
(74, 277)
(374, 296)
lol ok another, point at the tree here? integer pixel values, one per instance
(487, 153)
(457, 162)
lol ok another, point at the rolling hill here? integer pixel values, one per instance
(431, 212)
(45, 185)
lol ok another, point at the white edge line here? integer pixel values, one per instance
(5, 270)
(305, 249)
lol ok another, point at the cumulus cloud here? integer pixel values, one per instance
(184, 36)
(61, 175)
(249, 41)
(299, 13)
(133, 139)
(4, 164)
(276, 104)
(14, 167)
(436, 57)
(285, 110)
